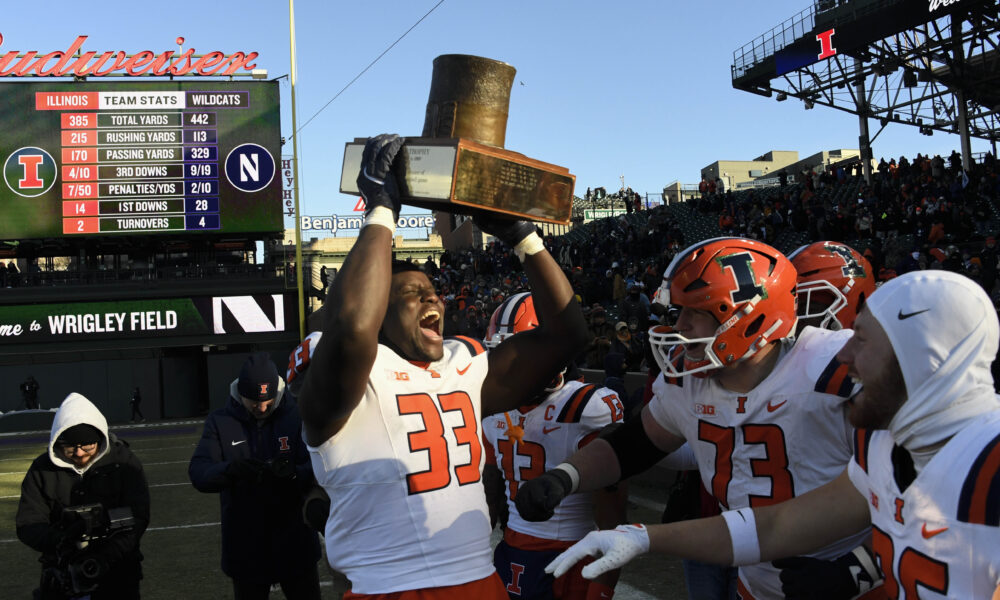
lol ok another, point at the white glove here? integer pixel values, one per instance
(615, 547)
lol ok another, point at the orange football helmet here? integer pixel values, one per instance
(748, 286)
(514, 315)
(834, 282)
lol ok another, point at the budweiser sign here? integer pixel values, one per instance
(936, 4)
(74, 62)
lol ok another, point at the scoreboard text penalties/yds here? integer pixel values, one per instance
(140, 161)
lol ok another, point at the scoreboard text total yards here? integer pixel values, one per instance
(147, 158)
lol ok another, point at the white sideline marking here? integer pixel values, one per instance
(191, 526)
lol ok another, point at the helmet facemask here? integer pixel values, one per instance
(813, 295)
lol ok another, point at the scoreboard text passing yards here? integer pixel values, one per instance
(138, 158)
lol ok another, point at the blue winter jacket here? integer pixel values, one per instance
(263, 535)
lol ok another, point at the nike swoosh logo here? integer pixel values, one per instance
(239, 442)
(462, 371)
(902, 316)
(929, 533)
(547, 430)
(774, 407)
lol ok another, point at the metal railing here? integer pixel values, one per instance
(777, 38)
(152, 274)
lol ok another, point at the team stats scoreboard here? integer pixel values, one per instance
(108, 158)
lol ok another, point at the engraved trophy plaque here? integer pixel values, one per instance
(459, 164)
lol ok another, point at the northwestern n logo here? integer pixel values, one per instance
(250, 167)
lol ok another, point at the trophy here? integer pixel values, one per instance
(459, 164)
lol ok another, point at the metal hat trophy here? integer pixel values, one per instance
(459, 164)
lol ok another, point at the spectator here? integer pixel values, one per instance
(29, 393)
(627, 345)
(633, 310)
(251, 453)
(85, 464)
(135, 403)
(601, 334)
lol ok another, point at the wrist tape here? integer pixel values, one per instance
(743, 532)
(867, 562)
(574, 475)
(531, 244)
(381, 215)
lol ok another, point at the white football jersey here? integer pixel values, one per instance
(940, 538)
(552, 431)
(787, 436)
(407, 507)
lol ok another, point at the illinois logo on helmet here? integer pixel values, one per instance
(833, 283)
(514, 315)
(748, 286)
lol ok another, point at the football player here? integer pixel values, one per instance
(925, 475)
(391, 410)
(833, 283)
(523, 443)
(764, 414)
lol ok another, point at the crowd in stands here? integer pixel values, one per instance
(924, 213)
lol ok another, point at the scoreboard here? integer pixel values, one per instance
(108, 158)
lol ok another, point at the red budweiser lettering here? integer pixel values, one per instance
(936, 4)
(63, 64)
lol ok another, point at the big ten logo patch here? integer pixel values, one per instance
(704, 409)
(396, 375)
(29, 172)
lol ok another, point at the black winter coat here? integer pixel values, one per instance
(116, 480)
(264, 537)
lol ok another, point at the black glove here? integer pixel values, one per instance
(68, 530)
(316, 509)
(375, 181)
(508, 231)
(805, 578)
(249, 470)
(537, 499)
(281, 469)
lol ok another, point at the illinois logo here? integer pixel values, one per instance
(29, 171)
(250, 167)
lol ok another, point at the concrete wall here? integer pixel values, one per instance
(108, 384)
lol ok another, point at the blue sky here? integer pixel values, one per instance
(639, 89)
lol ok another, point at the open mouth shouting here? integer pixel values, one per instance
(430, 325)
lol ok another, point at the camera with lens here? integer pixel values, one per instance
(73, 572)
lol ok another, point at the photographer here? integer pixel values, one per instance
(251, 453)
(84, 548)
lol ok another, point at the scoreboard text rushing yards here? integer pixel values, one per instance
(138, 158)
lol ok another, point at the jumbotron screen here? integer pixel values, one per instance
(108, 158)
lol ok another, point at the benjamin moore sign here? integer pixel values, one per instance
(335, 223)
(168, 317)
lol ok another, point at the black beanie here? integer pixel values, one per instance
(81, 434)
(258, 380)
